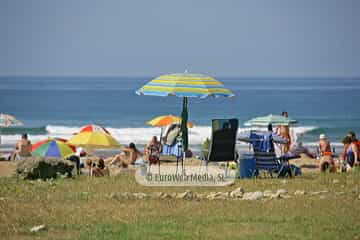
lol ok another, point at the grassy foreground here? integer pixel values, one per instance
(82, 208)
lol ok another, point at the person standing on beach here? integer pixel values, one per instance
(284, 131)
(22, 148)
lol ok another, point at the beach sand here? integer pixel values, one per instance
(7, 169)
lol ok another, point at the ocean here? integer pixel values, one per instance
(64, 104)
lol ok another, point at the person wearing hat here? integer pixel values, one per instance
(326, 159)
(324, 146)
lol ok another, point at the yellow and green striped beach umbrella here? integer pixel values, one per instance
(185, 85)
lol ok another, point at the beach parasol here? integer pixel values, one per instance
(264, 121)
(7, 120)
(185, 85)
(165, 120)
(37, 144)
(51, 148)
(94, 128)
(93, 137)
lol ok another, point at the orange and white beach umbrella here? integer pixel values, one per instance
(166, 120)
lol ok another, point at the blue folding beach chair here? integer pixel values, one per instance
(265, 157)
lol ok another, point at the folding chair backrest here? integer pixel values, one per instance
(264, 155)
(266, 161)
(223, 140)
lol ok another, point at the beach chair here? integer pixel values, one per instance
(265, 157)
(174, 150)
(222, 142)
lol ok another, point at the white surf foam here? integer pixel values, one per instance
(197, 134)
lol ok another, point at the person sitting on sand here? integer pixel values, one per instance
(326, 159)
(22, 148)
(299, 148)
(351, 152)
(126, 158)
(153, 150)
(97, 166)
(352, 135)
(324, 146)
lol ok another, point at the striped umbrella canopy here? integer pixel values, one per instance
(166, 120)
(52, 148)
(264, 121)
(94, 128)
(7, 120)
(41, 142)
(94, 140)
(185, 85)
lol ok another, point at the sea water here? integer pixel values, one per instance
(64, 104)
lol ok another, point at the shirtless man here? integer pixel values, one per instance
(284, 131)
(22, 148)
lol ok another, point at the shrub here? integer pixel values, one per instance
(43, 168)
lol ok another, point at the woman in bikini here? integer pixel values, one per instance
(126, 158)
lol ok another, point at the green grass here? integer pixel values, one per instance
(81, 208)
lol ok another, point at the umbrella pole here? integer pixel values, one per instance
(161, 133)
(185, 108)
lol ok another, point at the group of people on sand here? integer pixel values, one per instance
(349, 158)
(130, 155)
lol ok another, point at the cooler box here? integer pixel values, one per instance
(247, 166)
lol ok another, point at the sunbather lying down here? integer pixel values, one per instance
(127, 157)
(299, 148)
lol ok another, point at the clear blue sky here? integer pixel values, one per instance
(222, 38)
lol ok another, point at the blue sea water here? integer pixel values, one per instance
(321, 105)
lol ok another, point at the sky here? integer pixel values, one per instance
(254, 38)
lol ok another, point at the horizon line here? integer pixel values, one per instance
(150, 76)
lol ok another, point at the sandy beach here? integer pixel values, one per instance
(7, 168)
